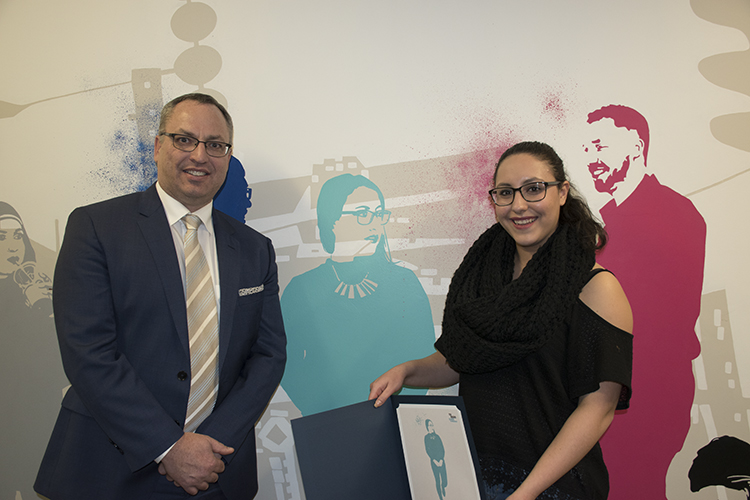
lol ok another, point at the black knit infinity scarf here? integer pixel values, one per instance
(490, 320)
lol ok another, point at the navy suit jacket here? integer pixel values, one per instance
(122, 326)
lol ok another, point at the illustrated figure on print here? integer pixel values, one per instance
(356, 314)
(433, 445)
(656, 248)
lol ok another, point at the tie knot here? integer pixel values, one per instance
(192, 222)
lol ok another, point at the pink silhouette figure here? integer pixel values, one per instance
(656, 249)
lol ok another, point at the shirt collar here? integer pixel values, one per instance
(176, 210)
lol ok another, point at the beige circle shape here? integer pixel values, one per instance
(198, 65)
(193, 22)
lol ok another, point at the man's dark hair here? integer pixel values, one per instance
(168, 109)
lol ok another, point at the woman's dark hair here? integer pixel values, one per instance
(575, 212)
(331, 201)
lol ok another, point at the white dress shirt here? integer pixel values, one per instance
(206, 237)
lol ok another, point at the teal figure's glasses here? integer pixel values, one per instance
(365, 217)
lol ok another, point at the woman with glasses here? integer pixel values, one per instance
(358, 313)
(537, 334)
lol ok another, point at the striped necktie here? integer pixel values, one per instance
(203, 328)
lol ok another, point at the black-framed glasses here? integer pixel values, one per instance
(188, 144)
(365, 217)
(531, 192)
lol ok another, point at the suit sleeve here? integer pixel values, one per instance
(105, 386)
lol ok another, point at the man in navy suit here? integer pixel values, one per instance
(121, 318)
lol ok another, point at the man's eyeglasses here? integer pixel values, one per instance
(188, 144)
(531, 192)
(365, 217)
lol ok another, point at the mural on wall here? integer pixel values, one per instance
(729, 70)
(437, 199)
(234, 196)
(423, 251)
(29, 350)
(26, 288)
(656, 249)
(357, 314)
(725, 461)
(718, 407)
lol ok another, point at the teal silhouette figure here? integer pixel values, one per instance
(356, 315)
(433, 445)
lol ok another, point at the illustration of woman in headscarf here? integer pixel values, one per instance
(22, 288)
(355, 315)
(30, 363)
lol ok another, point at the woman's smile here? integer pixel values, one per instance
(530, 223)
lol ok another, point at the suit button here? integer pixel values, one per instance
(182, 375)
(117, 447)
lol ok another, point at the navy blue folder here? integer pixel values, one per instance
(355, 451)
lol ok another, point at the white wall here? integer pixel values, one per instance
(388, 82)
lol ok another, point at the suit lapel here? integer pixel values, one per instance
(228, 255)
(158, 236)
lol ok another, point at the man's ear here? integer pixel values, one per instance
(639, 148)
(157, 145)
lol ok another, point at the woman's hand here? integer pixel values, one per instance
(387, 384)
(432, 371)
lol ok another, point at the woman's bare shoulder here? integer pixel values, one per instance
(604, 295)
